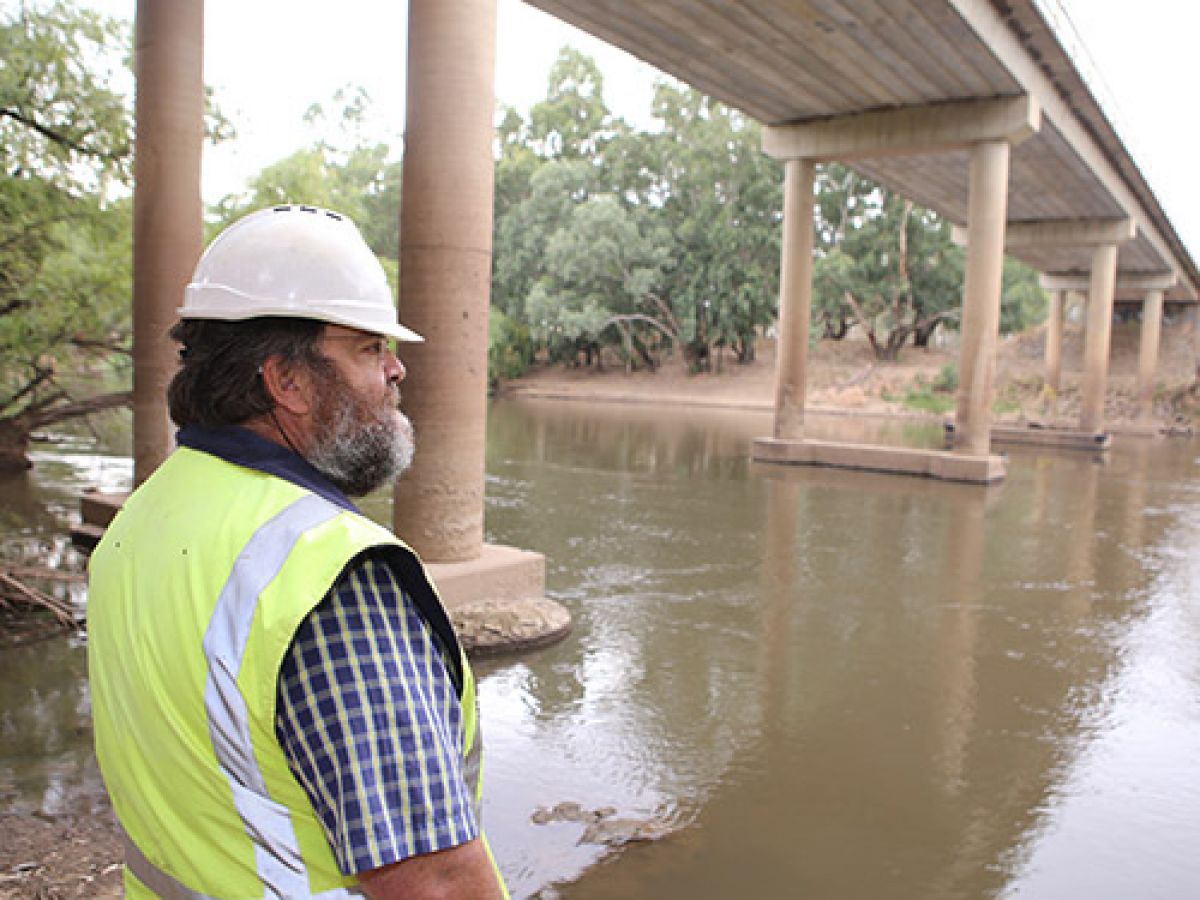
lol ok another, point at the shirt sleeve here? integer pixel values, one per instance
(371, 725)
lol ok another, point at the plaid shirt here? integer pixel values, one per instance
(370, 723)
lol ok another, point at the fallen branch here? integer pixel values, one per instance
(18, 591)
(43, 572)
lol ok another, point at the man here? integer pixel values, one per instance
(281, 705)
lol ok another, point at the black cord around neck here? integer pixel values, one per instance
(283, 433)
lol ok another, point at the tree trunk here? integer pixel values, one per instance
(14, 447)
(16, 431)
(923, 333)
(868, 327)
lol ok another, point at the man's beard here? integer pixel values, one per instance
(358, 445)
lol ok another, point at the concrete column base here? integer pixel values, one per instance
(940, 464)
(497, 601)
(1044, 436)
(1139, 429)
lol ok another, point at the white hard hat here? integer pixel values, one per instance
(296, 261)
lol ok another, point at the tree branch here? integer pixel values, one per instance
(41, 376)
(62, 139)
(36, 598)
(107, 345)
(868, 329)
(640, 317)
(80, 408)
(14, 305)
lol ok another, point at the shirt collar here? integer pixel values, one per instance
(243, 447)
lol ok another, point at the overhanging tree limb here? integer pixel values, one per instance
(77, 408)
(55, 136)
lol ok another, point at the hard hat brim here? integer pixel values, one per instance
(388, 329)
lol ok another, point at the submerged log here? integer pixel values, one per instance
(14, 593)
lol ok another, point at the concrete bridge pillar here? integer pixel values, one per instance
(795, 298)
(167, 208)
(986, 212)
(445, 265)
(494, 593)
(990, 127)
(1101, 288)
(1054, 336)
(1152, 309)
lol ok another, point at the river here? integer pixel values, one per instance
(804, 682)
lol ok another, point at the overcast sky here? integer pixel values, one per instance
(269, 59)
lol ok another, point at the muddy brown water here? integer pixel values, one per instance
(787, 682)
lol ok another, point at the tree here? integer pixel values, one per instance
(1024, 302)
(573, 122)
(601, 271)
(65, 138)
(355, 175)
(882, 262)
(705, 179)
(524, 232)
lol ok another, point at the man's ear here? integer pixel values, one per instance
(289, 385)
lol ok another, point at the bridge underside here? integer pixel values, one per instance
(972, 108)
(793, 63)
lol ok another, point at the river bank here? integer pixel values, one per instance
(845, 378)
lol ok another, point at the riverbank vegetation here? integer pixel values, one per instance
(66, 217)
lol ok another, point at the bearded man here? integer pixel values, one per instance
(281, 705)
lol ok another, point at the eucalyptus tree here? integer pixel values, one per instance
(707, 181)
(66, 130)
(882, 262)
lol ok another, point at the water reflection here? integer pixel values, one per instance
(835, 684)
(46, 760)
(918, 664)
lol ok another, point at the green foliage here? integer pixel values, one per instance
(1023, 302)
(718, 195)
(881, 262)
(923, 398)
(61, 121)
(66, 217)
(573, 122)
(946, 379)
(65, 250)
(358, 178)
(522, 233)
(640, 241)
(510, 349)
(937, 396)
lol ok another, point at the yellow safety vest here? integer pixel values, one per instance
(195, 594)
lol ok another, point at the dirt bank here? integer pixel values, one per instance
(845, 377)
(47, 858)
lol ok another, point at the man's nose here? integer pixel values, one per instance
(394, 369)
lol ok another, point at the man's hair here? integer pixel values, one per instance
(219, 381)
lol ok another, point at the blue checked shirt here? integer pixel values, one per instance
(370, 722)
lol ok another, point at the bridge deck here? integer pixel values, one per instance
(788, 62)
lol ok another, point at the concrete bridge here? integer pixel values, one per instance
(970, 107)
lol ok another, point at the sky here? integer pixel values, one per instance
(268, 60)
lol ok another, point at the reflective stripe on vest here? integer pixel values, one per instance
(277, 852)
(169, 889)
